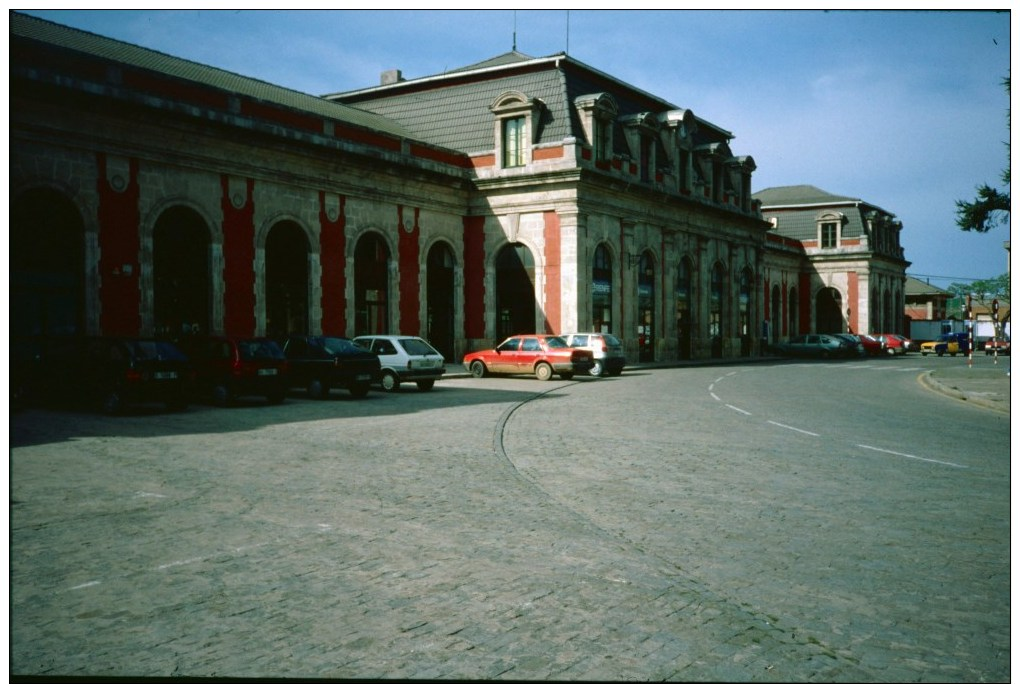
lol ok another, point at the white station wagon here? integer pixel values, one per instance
(404, 358)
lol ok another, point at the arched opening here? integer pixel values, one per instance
(602, 290)
(684, 313)
(439, 299)
(744, 304)
(793, 312)
(887, 312)
(646, 307)
(515, 291)
(286, 280)
(47, 250)
(875, 315)
(716, 298)
(180, 269)
(371, 286)
(828, 311)
(776, 314)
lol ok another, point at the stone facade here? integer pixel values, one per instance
(158, 198)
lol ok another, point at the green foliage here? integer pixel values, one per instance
(991, 207)
(983, 291)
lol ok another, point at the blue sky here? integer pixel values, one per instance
(903, 109)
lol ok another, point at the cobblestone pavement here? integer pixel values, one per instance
(419, 536)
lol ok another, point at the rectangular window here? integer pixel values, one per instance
(601, 139)
(828, 240)
(513, 142)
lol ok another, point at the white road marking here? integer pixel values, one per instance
(738, 410)
(714, 396)
(790, 427)
(918, 458)
(87, 584)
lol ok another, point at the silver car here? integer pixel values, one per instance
(605, 348)
(404, 358)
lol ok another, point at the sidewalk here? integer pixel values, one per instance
(987, 387)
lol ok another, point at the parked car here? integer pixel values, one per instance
(854, 348)
(824, 346)
(606, 351)
(404, 358)
(893, 344)
(543, 355)
(870, 345)
(996, 347)
(110, 374)
(320, 363)
(227, 368)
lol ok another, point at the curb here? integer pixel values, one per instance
(934, 385)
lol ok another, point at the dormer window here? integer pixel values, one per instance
(829, 225)
(597, 113)
(640, 131)
(517, 119)
(513, 142)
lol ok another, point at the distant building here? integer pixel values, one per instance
(925, 302)
(851, 271)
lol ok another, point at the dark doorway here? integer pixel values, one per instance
(439, 299)
(515, 291)
(646, 307)
(828, 311)
(602, 290)
(180, 268)
(371, 286)
(286, 280)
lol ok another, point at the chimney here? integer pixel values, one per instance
(391, 76)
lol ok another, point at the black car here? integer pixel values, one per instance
(229, 367)
(108, 373)
(320, 363)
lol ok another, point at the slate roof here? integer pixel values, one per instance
(799, 195)
(32, 28)
(796, 208)
(452, 109)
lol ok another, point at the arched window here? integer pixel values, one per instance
(715, 308)
(602, 290)
(684, 308)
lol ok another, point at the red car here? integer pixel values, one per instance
(871, 345)
(894, 344)
(231, 367)
(543, 355)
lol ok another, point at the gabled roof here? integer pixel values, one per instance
(74, 40)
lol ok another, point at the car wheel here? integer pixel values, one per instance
(425, 385)
(112, 402)
(478, 369)
(221, 395)
(359, 390)
(952, 353)
(317, 389)
(276, 397)
(598, 369)
(390, 381)
(543, 371)
(940, 352)
(890, 351)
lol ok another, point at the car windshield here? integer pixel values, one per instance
(416, 347)
(556, 342)
(340, 345)
(255, 350)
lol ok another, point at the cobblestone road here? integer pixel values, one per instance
(463, 533)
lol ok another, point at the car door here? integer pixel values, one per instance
(531, 351)
(505, 358)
